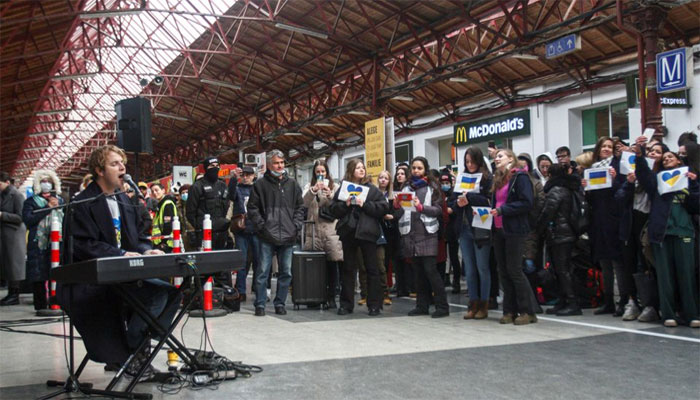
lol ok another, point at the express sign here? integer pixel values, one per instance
(503, 126)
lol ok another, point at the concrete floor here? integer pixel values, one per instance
(316, 354)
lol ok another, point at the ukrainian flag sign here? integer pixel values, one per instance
(597, 178)
(467, 183)
(673, 180)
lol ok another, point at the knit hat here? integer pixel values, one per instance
(209, 160)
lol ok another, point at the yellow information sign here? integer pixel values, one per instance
(375, 157)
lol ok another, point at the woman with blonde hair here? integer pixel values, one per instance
(512, 199)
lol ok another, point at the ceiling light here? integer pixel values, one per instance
(525, 56)
(293, 134)
(220, 83)
(171, 116)
(298, 29)
(402, 98)
(74, 76)
(458, 79)
(324, 124)
(53, 112)
(358, 112)
(36, 148)
(109, 14)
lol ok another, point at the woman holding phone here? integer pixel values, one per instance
(358, 229)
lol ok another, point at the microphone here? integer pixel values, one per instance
(127, 179)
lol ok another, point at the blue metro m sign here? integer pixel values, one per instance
(674, 70)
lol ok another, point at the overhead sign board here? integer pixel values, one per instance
(502, 126)
(680, 99)
(564, 45)
(674, 70)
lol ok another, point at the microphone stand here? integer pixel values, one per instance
(72, 384)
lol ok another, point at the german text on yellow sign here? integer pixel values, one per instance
(374, 148)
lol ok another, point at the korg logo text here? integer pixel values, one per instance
(136, 262)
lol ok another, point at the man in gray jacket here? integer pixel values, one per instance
(275, 209)
(13, 245)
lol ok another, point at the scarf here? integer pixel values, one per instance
(418, 182)
(43, 230)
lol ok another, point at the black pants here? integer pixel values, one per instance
(428, 281)
(612, 268)
(516, 288)
(493, 270)
(561, 262)
(349, 273)
(453, 249)
(332, 277)
(404, 275)
(632, 257)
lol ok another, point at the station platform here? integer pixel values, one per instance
(316, 354)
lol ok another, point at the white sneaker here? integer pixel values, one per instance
(670, 323)
(695, 323)
(631, 311)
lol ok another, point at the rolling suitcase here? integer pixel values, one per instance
(308, 274)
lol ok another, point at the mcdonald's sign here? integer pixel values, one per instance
(502, 126)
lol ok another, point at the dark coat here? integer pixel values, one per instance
(205, 197)
(38, 260)
(465, 214)
(418, 242)
(276, 209)
(555, 217)
(96, 310)
(661, 204)
(604, 229)
(372, 211)
(13, 242)
(517, 207)
(239, 206)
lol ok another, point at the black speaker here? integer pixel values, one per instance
(134, 125)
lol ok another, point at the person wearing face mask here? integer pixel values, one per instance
(47, 190)
(209, 195)
(163, 222)
(452, 229)
(604, 229)
(186, 228)
(246, 239)
(672, 238)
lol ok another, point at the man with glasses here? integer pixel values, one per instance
(564, 157)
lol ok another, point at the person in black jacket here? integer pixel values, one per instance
(672, 238)
(108, 227)
(276, 210)
(475, 253)
(358, 228)
(604, 229)
(210, 195)
(246, 240)
(513, 197)
(555, 222)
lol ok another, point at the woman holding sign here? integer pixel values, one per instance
(674, 199)
(418, 225)
(512, 199)
(475, 247)
(359, 207)
(318, 194)
(601, 181)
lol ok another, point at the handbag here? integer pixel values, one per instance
(325, 214)
(481, 235)
(237, 223)
(348, 224)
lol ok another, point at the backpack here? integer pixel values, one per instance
(580, 213)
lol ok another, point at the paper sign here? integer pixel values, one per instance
(406, 201)
(648, 133)
(483, 217)
(597, 178)
(468, 183)
(628, 162)
(672, 180)
(349, 189)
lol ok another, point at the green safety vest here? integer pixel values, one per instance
(158, 224)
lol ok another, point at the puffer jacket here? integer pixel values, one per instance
(555, 217)
(326, 239)
(276, 209)
(372, 211)
(418, 242)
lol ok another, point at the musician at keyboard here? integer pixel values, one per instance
(108, 227)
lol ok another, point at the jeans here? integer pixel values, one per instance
(284, 260)
(476, 264)
(246, 242)
(154, 294)
(516, 288)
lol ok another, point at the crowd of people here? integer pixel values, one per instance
(642, 239)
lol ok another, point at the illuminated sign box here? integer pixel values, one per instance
(493, 128)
